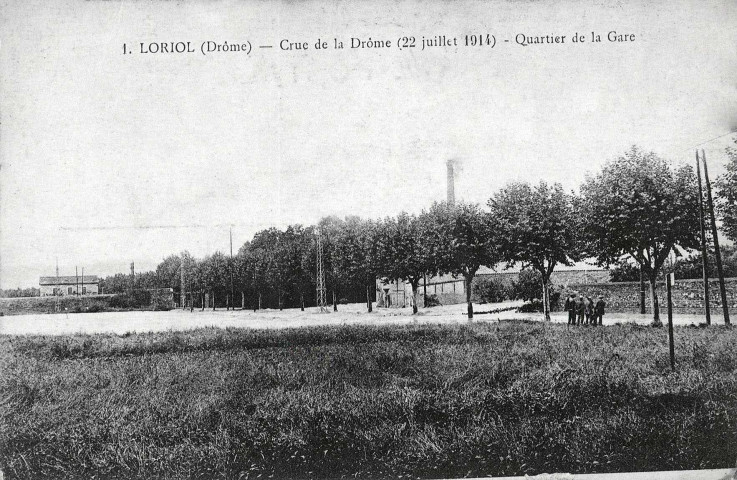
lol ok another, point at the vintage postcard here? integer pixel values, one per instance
(387, 239)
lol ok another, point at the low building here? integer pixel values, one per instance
(69, 285)
(449, 289)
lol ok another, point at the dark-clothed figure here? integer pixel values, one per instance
(570, 307)
(589, 311)
(600, 305)
(580, 310)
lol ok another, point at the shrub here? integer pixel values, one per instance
(137, 299)
(491, 290)
(531, 306)
(528, 285)
(432, 301)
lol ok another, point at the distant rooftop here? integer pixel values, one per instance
(68, 280)
(501, 269)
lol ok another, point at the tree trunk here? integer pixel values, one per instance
(414, 297)
(424, 291)
(213, 301)
(243, 300)
(654, 297)
(468, 297)
(369, 303)
(279, 300)
(335, 304)
(259, 300)
(302, 301)
(642, 293)
(546, 300)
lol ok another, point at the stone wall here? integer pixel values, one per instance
(562, 277)
(687, 295)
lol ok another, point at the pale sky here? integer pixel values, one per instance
(100, 150)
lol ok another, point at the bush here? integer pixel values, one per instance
(137, 299)
(531, 306)
(528, 285)
(432, 301)
(96, 307)
(490, 290)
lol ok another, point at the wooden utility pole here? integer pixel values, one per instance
(717, 253)
(704, 250)
(76, 280)
(57, 289)
(83, 292)
(232, 291)
(183, 292)
(669, 286)
(133, 276)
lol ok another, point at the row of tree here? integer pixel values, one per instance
(637, 209)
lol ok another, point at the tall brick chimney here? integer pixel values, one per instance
(451, 184)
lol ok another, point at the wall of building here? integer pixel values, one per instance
(687, 295)
(89, 289)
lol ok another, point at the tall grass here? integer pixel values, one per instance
(421, 401)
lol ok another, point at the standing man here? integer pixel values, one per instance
(599, 312)
(590, 311)
(580, 310)
(570, 307)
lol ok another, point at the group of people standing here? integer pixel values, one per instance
(584, 311)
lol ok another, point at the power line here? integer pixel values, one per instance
(732, 132)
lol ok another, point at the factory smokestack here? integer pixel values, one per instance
(451, 183)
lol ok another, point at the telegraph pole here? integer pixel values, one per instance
(717, 253)
(57, 289)
(232, 292)
(76, 280)
(704, 253)
(321, 301)
(669, 279)
(183, 293)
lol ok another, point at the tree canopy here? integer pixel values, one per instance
(537, 228)
(639, 206)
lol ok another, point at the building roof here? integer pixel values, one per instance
(68, 280)
(514, 270)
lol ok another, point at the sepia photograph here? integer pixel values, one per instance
(413, 239)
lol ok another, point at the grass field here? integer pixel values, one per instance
(425, 401)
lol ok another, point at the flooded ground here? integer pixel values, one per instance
(177, 320)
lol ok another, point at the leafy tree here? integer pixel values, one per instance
(527, 286)
(460, 239)
(118, 283)
(638, 206)
(335, 278)
(624, 271)
(169, 272)
(20, 292)
(726, 194)
(264, 249)
(356, 254)
(537, 228)
(692, 266)
(403, 253)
